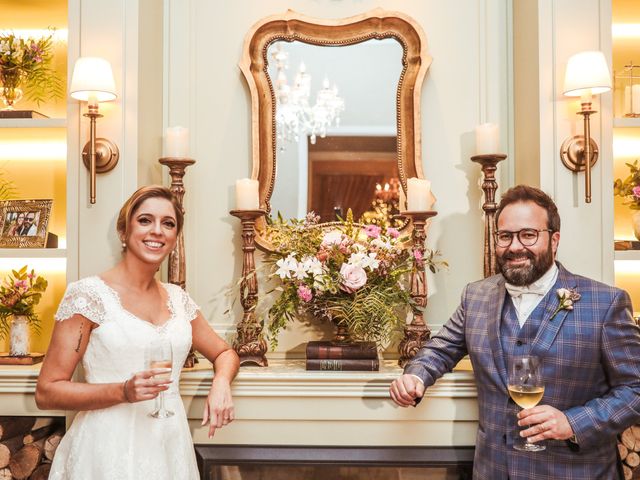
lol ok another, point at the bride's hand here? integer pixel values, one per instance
(218, 409)
(145, 385)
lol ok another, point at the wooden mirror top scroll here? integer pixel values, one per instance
(368, 35)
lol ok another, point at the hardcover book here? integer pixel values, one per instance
(361, 364)
(337, 350)
(21, 114)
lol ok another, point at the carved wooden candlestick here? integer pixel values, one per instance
(177, 265)
(489, 165)
(416, 333)
(249, 343)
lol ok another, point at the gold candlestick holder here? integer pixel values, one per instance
(489, 165)
(417, 332)
(177, 273)
(249, 344)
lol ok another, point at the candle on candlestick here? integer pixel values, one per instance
(247, 194)
(487, 139)
(627, 100)
(635, 99)
(176, 142)
(419, 198)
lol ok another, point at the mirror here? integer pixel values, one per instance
(335, 113)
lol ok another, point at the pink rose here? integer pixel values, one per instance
(372, 231)
(636, 191)
(393, 232)
(304, 293)
(353, 277)
(417, 254)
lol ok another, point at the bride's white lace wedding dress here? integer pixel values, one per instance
(122, 441)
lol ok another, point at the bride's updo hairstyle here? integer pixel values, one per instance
(139, 196)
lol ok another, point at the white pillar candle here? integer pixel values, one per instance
(176, 142)
(487, 139)
(247, 194)
(418, 195)
(635, 99)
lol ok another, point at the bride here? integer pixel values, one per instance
(108, 322)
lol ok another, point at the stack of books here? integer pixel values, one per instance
(324, 355)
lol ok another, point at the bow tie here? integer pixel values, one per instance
(515, 291)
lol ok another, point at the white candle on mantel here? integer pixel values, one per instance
(176, 142)
(635, 99)
(418, 195)
(487, 139)
(247, 194)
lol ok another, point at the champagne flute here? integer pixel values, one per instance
(526, 389)
(160, 355)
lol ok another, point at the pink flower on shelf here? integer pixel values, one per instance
(372, 231)
(636, 191)
(304, 293)
(353, 277)
(21, 284)
(393, 232)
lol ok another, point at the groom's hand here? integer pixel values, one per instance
(544, 422)
(406, 389)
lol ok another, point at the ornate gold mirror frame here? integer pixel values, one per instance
(291, 26)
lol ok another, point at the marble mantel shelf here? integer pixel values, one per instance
(289, 378)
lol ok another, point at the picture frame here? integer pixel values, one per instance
(23, 223)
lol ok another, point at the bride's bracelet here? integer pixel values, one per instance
(124, 390)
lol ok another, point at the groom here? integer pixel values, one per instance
(584, 335)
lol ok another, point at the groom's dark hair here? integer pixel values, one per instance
(525, 193)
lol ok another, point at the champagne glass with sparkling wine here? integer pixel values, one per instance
(160, 355)
(526, 389)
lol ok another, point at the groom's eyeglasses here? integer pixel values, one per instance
(527, 236)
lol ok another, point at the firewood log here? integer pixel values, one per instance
(9, 447)
(12, 426)
(628, 473)
(25, 461)
(628, 439)
(633, 459)
(43, 422)
(5, 474)
(51, 444)
(42, 432)
(42, 472)
(622, 451)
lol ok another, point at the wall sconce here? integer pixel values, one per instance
(93, 82)
(587, 74)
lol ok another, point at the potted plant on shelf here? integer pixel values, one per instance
(629, 190)
(20, 292)
(351, 274)
(26, 62)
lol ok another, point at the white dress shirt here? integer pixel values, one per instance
(526, 299)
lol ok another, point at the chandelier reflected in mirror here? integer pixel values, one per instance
(295, 116)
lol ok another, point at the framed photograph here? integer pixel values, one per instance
(23, 223)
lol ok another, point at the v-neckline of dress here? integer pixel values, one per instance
(158, 327)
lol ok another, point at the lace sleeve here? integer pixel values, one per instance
(81, 298)
(190, 307)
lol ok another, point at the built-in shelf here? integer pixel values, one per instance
(33, 252)
(621, 122)
(627, 255)
(33, 123)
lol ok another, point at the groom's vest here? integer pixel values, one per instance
(517, 341)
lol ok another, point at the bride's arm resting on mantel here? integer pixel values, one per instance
(218, 409)
(56, 390)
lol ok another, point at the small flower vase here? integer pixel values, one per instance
(635, 219)
(10, 93)
(19, 338)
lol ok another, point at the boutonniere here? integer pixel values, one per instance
(567, 298)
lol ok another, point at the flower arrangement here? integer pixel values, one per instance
(353, 275)
(20, 292)
(28, 61)
(567, 298)
(629, 188)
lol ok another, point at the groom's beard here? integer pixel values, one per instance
(527, 274)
